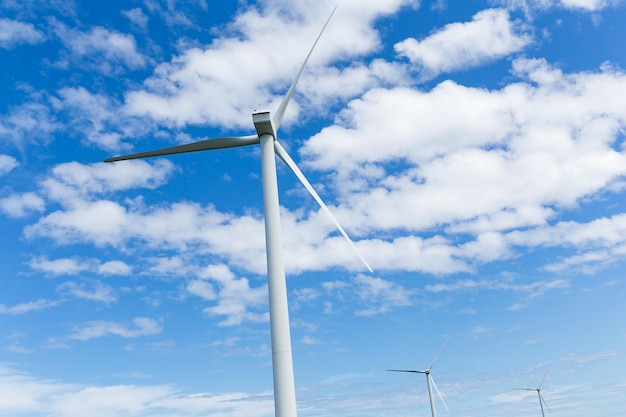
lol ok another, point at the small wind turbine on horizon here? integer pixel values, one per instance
(542, 400)
(429, 381)
(266, 135)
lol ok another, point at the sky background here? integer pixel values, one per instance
(474, 150)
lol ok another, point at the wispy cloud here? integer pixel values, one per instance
(584, 359)
(380, 294)
(28, 307)
(530, 291)
(89, 290)
(139, 326)
(30, 393)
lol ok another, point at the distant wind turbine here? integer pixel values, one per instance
(542, 401)
(429, 381)
(266, 129)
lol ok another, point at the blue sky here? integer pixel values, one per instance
(473, 150)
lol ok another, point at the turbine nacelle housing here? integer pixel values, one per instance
(263, 123)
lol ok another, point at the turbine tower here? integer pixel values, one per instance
(542, 400)
(429, 381)
(266, 135)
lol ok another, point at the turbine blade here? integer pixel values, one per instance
(282, 154)
(438, 393)
(280, 113)
(544, 402)
(402, 370)
(203, 145)
(438, 353)
(543, 379)
(525, 389)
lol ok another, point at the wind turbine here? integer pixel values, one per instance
(429, 381)
(542, 401)
(266, 135)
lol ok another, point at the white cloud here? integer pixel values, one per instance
(15, 348)
(31, 123)
(71, 183)
(115, 268)
(584, 4)
(13, 32)
(20, 205)
(29, 394)
(137, 16)
(202, 289)
(581, 5)
(583, 359)
(175, 265)
(528, 291)
(453, 143)
(237, 300)
(379, 295)
(459, 142)
(88, 290)
(7, 163)
(489, 36)
(456, 143)
(98, 119)
(139, 326)
(24, 308)
(183, 226)
(588, 5)
(308, 340)
(174, 12)
(107, 51)
(598, 243)
(222, 84)
(75, 266)
(382, 295)
(62, 266)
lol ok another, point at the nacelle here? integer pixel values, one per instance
(263, 123)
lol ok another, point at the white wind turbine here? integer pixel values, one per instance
(429, 381)
(266, 129)
(542, 401)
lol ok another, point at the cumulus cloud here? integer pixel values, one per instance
(223, 83)
(459, 142)
(98, 119)
(20, 205)
(236, 299)
(7, 163)
(62, 266)
(30, 123)
(115, 268)
(14, 32)
(73, 183)
(107, 51)
(453, 142)
(489, 36)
